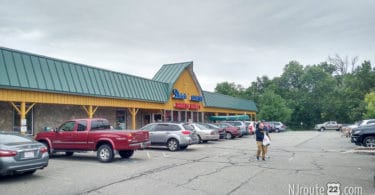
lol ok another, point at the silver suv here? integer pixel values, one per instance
(174, 136)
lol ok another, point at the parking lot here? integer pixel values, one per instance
(298, 161)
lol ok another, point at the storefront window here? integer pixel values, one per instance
(189, 117)
(157, 118)
(195, 117)
(167, 116)
(146, 119)
(183, 116)
(175, 116)
(120, 119)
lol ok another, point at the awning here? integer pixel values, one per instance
(230, 118)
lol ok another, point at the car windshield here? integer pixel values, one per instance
(6, 139)
(201, 127)
(214, 126)
(188, 127)
(148, 127)
(227, 125)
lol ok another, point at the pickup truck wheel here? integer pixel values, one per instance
(322, 129)
(173, 145)
(105, 153)
(369, 141)
(69, 153)
(126, 153)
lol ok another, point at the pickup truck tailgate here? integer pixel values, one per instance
(139, 135)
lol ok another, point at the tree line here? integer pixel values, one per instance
(340, 89)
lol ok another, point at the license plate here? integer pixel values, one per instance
(28, 155)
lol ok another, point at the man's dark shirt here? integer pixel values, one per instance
(259, 134)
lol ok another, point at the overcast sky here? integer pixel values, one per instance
(231, 40)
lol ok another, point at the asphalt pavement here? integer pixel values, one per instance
(305, 162)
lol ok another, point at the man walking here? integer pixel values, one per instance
(259, 136)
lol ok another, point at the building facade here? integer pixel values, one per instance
(38, 91)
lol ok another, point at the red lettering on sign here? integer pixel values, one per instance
(187, 106)
(194, 107)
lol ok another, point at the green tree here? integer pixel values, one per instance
(312, 94)
(370, 107)
(230, 89)
(273, 107)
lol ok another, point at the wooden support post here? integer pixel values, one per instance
(133, 112)
(22, 111)
(90, 110)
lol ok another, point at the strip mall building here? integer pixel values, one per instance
(38, 91)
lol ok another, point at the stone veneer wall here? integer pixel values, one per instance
(53, 115)
(6, 116)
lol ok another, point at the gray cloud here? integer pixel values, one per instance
(227, 40)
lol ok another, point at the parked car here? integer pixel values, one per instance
(250, 127)
(230, 130)
(214, 126)
(269, 125)
(364, 135)
(21, 155)
(367, 122)
(241, 125)
(80, 135)
(174, 136)
(278, 126)
(205, 134)
(329, 125)
(347, 129)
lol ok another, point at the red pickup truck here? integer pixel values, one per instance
(94, 135)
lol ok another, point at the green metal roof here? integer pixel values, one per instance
(217, 100)
(169, 73)
(20, 70)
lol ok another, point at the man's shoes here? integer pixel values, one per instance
(263, 159)
(257, 157)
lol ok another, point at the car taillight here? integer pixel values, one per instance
(130, 137)
(7, 153)
(43, 150)
(186, 132)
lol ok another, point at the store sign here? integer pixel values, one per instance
(194, 107)
(178, 95)
(187, 106)
(196, 98)
(181, 106)
(182, 96)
